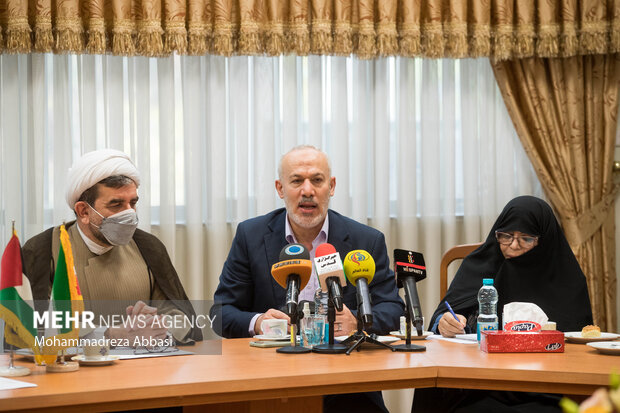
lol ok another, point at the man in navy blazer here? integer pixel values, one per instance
(247, 287)
(247, 292)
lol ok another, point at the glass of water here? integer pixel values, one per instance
(312, 330)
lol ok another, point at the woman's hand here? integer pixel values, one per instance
(449, 326)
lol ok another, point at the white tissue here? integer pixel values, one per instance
(524, 312)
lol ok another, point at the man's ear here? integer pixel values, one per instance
(82, 212)
(332, 186)
(279, 189)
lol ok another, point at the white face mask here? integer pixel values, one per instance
(118, 228)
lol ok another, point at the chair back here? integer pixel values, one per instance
(457, 252)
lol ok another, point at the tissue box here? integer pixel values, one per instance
(547, 341)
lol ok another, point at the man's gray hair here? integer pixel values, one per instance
(300, 148)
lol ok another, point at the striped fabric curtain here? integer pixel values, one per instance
(421, 149)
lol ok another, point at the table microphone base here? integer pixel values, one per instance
(360, 337)
(409, 347)
(330, 348)
(293, 350)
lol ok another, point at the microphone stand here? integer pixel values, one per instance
(293, 348)
(408, 346)
(360, 336)
(330, 347)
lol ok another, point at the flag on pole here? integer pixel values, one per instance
(65, 297)
(16, 305)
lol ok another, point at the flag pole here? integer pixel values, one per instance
(61, 365)
(12, 370)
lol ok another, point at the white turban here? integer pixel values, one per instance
(96, 166)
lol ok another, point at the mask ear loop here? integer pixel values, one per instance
(93, 208)
(102, 217)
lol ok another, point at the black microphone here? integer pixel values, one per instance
(335, 291)
(292, 293)
(292, 273)
(363, 296)
(409, 268)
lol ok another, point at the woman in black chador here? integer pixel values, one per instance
(530, 260)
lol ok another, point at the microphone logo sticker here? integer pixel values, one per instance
(294, 249)
(358, 257)
(410, 258)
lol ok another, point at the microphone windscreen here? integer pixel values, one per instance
(328, 265)
(294, 259)
(294, 251)
(324, 249)
(409, 263)
(359, 264)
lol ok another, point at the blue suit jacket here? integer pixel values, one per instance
(246, 286)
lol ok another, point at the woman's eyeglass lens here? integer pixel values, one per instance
(525, 241)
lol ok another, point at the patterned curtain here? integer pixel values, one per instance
(565, 111)
(499, 29)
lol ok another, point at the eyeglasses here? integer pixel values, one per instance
(525, 241)
(140, 351)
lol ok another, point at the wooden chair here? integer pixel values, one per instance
(457, 252)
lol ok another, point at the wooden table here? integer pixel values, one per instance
(579, 370)
(253, 379)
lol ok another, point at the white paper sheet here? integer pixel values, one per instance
(454, 340)
(470, 337)
(10, 384)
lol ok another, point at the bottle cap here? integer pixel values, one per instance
(306, 309)
(487, 281)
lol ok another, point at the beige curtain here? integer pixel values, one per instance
(500, 29)
(564, 111)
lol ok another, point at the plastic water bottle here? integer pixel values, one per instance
(487, 301)
(320, 308)
(307, 334)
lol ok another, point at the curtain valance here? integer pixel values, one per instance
(500, 29)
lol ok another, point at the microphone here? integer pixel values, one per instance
(410, 268)
(292, 272)
(330, 272)
(359, 267)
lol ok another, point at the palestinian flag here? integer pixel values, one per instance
(16, 305)
(65, 296)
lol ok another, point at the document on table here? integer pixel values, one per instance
(460, 338)
(10, 384)
(469, 337)
(131, 353)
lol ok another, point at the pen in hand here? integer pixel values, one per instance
(452, 312)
